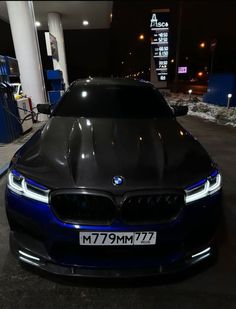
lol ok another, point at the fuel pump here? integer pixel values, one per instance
(10, 125)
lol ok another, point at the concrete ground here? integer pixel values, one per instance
(213, 286)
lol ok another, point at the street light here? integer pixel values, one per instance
(190, 94)
(141, 37)
(229, 99)
(202, 44)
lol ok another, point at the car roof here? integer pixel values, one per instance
(110, 81)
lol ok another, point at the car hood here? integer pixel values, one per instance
(87, 153)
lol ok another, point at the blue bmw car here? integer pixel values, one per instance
(112, 186)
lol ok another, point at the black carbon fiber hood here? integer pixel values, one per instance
(87, 153)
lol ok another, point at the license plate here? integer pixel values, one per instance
(117, 238)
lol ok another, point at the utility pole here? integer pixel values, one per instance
(213, 47)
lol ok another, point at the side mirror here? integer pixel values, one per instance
(44, 108)
(179, 110)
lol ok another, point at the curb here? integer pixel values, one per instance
(3, 170)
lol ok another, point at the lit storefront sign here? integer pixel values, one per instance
(182, 70)
(159, 25)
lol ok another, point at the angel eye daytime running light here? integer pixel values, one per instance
(203, 188)
(26, 187)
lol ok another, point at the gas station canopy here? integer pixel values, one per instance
(97, 13)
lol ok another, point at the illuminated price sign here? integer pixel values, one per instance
(159, 26)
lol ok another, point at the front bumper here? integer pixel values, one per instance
(40, 239)
(21, 246)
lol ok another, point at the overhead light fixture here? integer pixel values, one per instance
(84, 94)
(37, 24)
(85, 23)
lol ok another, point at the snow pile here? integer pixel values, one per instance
(197, 107)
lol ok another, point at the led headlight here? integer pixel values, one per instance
(203, 188)
(26, 187)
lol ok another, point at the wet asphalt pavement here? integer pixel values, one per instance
(209, 286)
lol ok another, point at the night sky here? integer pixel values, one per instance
(201, 21)
(100, 52)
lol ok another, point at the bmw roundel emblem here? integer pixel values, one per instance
(117, 180)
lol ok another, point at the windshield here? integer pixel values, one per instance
(112, 101)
